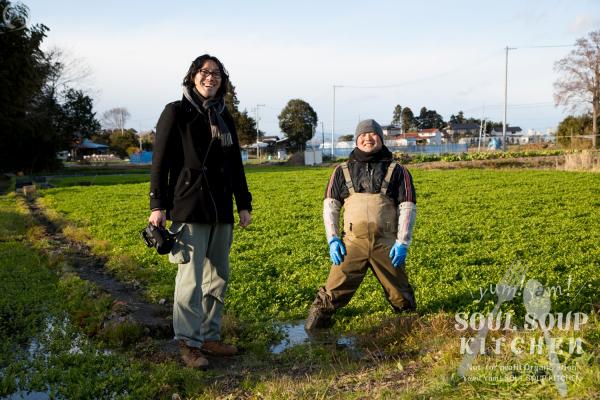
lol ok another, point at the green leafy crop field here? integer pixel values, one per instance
(471, 226)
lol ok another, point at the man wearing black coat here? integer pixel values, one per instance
(196, 171)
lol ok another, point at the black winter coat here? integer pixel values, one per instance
(192, 176)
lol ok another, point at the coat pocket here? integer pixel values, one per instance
(180, 253)
(189, 181)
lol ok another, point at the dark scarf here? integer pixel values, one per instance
(213, 108)
(360, 156)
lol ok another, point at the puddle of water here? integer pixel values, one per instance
(295, 334)
(55, 328)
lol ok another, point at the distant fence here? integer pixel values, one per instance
(144, 157)
(427, 149)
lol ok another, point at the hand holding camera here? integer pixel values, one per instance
(158, 218)
(159, 238)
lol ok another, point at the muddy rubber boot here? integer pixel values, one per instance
(317, 319)
(192, 356)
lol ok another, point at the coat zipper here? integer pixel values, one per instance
(212, 199)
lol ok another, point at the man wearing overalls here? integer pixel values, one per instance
(379, 203)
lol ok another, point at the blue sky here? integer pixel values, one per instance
(447, 56)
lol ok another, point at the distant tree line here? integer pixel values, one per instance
(403, 117)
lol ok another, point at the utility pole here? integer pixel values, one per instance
(257, 130)
(481, 128)
(480, 132)
(323, 135)
(505, 97)
(333, 122)
(484, 129)
(571, 137)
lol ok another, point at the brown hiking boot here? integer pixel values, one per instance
(317, 319)
(192, 356)
(218, 348)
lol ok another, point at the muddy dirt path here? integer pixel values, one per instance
(129, 305)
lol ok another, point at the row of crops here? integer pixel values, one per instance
(407, 158)
(471, 226)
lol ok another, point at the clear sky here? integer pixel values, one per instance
(444, 55)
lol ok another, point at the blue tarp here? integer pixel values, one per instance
(144, 157)
(495, 144)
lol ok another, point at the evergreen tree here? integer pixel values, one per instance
(245, 125)
(408, 119)
(428, 119)
(397, 117)
(298, 121)
(38, 116)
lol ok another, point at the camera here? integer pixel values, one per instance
(159, 238)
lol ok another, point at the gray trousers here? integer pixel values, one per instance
(202, 254)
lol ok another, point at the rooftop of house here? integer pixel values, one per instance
(467, 126)
(512, 129)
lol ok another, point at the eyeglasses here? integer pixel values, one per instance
(205, 73)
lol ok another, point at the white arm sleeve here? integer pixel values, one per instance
(331, 217)
(407, 213)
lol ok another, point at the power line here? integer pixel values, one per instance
(460, 68)
(440, 75)
(541, 47)
(523, 105)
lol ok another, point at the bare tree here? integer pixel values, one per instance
(115, 118)
(66, 71)
(580, 80)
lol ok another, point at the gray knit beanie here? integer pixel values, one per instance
(366, 126)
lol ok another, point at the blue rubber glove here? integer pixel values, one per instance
(398, 254)
(337, 250)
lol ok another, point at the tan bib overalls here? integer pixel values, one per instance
(370, 227)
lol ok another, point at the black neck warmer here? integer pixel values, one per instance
(361, 156)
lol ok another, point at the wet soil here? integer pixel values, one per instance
(129, 303)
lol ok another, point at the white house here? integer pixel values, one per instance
(391, 130)
(514, 135)
(432, 136)
(469, 128)
(402, 140)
